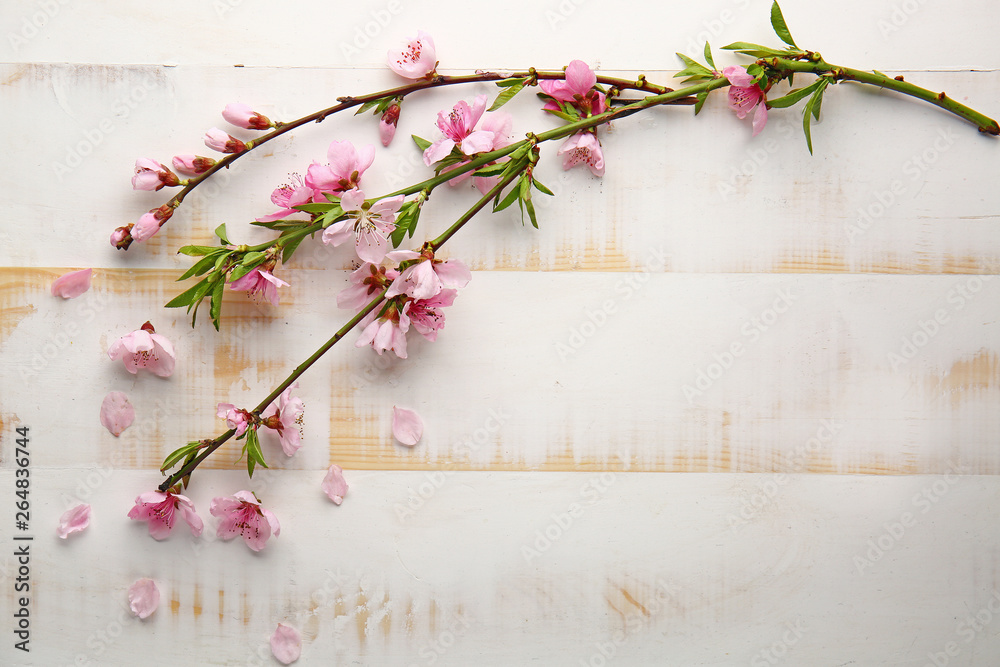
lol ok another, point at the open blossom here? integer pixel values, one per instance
(745, 95)
(426, 316)
(241, 115)
(74, 520)
(159, 508)
(223, 142)
(143, 597)
(117, 413)
(367, 281)
(458, 127)
(151, 175)
(144, 348)
(427, 277)
(370, 225)
(291, 194)
(576, 89)
(242, 514)
(387, 332)
(72, 284)
(235, 419)
(334, 485)
(345, 169)
(407, 427)
(583, 148)
(192, 164)
(416, 60)
(498, 124)
(285, 417)
(259, 283)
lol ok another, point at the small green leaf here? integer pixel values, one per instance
(780, 28)
(491, 170)
(253, 258)
(197, 250)
(215, 309)
(176, 455)
(365, 107)
(252, 449)
(794, 96)
(199, 267)
(422, 144)
(331, 216)
(508, 200)
(314, 208)
(290, 249)
(812, 109)
(507, 83)
(541, 188)
(758, 51)
(506, 96)
(186, 298)
(220, 231)
(701, 97)
(708, 56)
(531, 212)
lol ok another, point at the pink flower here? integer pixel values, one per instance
(745, 95)
(286, 644)
(242, 514)
(334, 485)
(366, 281)
(143, 597)
(344, 172)
(259, 283)
(74, 520)
(416, 60)
(426, 316)
(370, 225)
(72, 284)
(151, 175)
(458, 128)
(427, 277)
(144, 348)
(583, 147)
(117, 413)
(235, 419)
(286, 419)
(193, 164)
(150, 223)
(223, 142)
(241, 115)
(387, 332)
(289, 195)
(578, 82)
(159, 509)
(407, 427)
(387, 124)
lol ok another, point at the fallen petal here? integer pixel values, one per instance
(334, 485)
(72, 284)
(143, 597)
(407, 426)
(117, 413)
(286, 644)
(74, 520)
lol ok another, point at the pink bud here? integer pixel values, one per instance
(387, 124)
(223, 142)
(151, 175)
(72, 284)
(193, 164)
(121, 238)
(241, 115)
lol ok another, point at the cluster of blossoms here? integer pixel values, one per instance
(577, 97)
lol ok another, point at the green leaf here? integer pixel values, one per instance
(252, 449)
(508, 200)
(708, 56)
(507, 83)
(220, 231)
(779, 25)
(253, 258)
(216, 305)
(199, 267)
(365, 107)
(187, 297)
(541, 188)
(702, 96)
(758, 51)
(812, 109)
(331, 216)
(794, 96)
(290, 248)
(422, 144)
(197, 250)
(506, 96)
(491, 170)
(531, 212)
(819, 98)
(176, 455)
(314, 208)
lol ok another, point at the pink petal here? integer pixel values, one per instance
(438, 151)
(334, 485)
(759, 118)
(352, 200)
(737, 76)
(407, 426)
(72, 284)
(286, 644)
(143, 597)
(117, 413)
(74, 520)
(453, 273)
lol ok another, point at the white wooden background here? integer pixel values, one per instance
(842, 509)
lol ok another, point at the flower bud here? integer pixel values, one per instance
(387, 124)
(121, 238)
(193, 164)
(151, 222)
(223, 142)
(243, 116)
(151, 175)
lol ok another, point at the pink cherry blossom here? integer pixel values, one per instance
(242, 514)
(143, 597)
(458, 127)
(286, 644)
(428, 276)
(241, 115)
(407, 427)
(370, 225)
(583, 148)
(366, 281)
(345, 169)
(388, 332)
(160, 509)
(578, 82)
(416, 60)
(223, 142)
(289, 195)
(387, 124)
(235, 419)
(426, 316)
(334, 485)
(285, 417)
(745, 95)
(259, 283)
(193, 164)
(72, 284)
(151, 175)
(117, 413)
(74, 520)
(144, 348)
